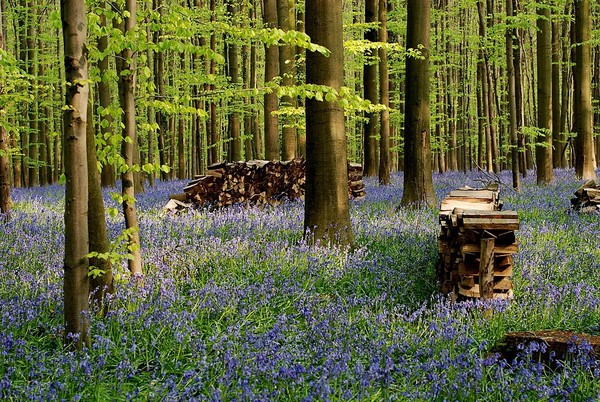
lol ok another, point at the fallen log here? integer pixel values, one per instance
(550, 345)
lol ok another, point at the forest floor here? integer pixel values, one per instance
(235, 306)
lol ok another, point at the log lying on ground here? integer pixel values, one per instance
(587, 198)
(256, 182)
(551, 345)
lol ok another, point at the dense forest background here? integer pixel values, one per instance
(219, 80)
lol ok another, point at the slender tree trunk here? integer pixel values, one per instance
(582, 103)
(327, 216)
(102, 283)
(34, 171)
(543, 149)
(371, 94)
(418, 181)
(269, 9)
(234, 126)
(286, 71)
(512, 98)
(126, 67)
(248, 135)
(563, 144)
(76, 280)
(108, 176)
(556, 48)
(519, 98)
(5, 197)
(257, 139)
(384, 96)
(159, 72)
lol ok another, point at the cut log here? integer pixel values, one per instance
(558, 344)
(476, 244)
(258, 182)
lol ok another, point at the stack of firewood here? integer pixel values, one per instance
(255, 182)
(476, 245)
(587, 198)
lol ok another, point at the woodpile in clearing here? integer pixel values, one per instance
(587, 198)
(476, 244)
(256, 182)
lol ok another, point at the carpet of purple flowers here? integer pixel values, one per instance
(235, 306)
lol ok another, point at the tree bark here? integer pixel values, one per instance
(371, 94)
(418, 181)
(512, 97)
(76, 280)
(271, 130)
(126, 67)
(543, 148)
(384, 99)
(327, 216)
(108, 176)
(234, 126)
(582, 102)
(102, 284)
(286, 71)
(34, 170)
(5, 197)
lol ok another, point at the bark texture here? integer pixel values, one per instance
(327, 216)
(76, 280)
(582, 102)
(543, 148)
(126, 67)
(418, 182)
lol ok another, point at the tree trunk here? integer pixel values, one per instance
(384, 99)
(370, 93)
(5, 197)
(101, 283)
(159, 72)
(269, 10)
(512, 98)
(108, 176)
(519, 98)
(563, 145)
(286, 71)
(327, 216)
(556, 48)
(543, 148)
(126, 66)
(76, 280)
(234, 126)
(32, 117)
(582, 102)
(418, 182)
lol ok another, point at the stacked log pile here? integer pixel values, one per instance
(587, 198)
(476, 245)
(255, 182)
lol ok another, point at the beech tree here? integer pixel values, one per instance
(370, 92)
(584, 117)
(269, 9)
(126, 67)
(543, 148)
(418, 181)
(76, 279)
(326, 211)
(5, 197)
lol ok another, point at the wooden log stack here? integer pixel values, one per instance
(256, 182)
(587, 198)
(476, 245)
